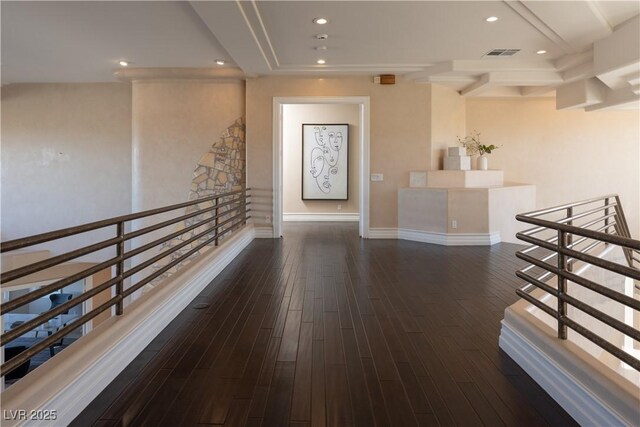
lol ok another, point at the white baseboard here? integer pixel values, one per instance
(449, 239)
(445, 239)
(69, 383)
(322, 217)
(589, 395)
(264, 232)
(383, 233)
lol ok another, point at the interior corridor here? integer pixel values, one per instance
(324, 328)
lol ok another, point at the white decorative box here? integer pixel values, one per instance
(457, 151)
(417, 179)
(457, 163)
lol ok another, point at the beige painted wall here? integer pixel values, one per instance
(569, 155)
(293, 118)
(66, 157)
(398, 141)
(446, 122)
(175, 122)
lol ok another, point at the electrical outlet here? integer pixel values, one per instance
(267, 219)
(454, 223)
(377, 177)
(339, 207)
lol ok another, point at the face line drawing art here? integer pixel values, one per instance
(324, 157)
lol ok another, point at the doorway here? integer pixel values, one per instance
(362, 130)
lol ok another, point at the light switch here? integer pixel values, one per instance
(377, 177)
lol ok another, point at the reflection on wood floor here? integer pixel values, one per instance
(324, 328)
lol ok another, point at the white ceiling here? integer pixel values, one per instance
(425, 41)
(83, 41)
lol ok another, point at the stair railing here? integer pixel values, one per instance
(569, 234)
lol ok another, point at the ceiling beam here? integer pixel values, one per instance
(476, 88)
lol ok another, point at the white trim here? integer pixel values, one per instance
(383, 233)
(264, 233)
(68, 384)
(449, 239)
(321, 217)
(364, 120)
(445, 239)
(587, 393)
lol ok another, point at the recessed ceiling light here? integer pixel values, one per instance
(320, 48)
(123, 63)
(321, 61)
(322, 36)
(320, 21)
(492, 19)
(220, 61)
(541, 52)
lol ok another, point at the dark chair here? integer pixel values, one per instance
(56, 300)
(59, 299)
(20, 371)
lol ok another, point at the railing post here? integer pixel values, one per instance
(562, 285)
(215, 223)
(569, 236)
(606, 214)
(120, 269)
(244, 206)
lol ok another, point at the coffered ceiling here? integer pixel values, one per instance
(443, 42)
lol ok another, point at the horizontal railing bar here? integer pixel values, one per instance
(585, 225)
(608, 238)
(173, 235)
(17, 273)
(70, 231)
(531, 260)
(606, 345)
(603, 317)
(542, 306)
(537, 283)
(169, 251)
(163, 224)
(569, 205)
(159, 272)
(12, 364)
(603, 290)
(602, 263)
(49, 314)
(55, 286)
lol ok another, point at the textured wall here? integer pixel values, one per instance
(66, 158)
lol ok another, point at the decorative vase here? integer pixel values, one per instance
(483, 163)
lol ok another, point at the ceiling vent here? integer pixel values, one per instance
(502, 52)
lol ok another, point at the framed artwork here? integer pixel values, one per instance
(325, 162)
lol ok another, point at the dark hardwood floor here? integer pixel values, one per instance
(324, 328)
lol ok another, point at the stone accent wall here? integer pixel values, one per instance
(220, 170)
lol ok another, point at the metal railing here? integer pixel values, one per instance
(206, 220)
(569, 234)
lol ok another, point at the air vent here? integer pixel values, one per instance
(502, 52)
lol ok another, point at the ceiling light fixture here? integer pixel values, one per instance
(541, 52)
(123, 63)
(322, 36)
(321, 61)
(492, 19)
(220, 61)
(320, 21)
(320, 48)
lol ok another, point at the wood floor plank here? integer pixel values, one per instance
(324, 328)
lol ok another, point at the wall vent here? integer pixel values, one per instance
(502, 52)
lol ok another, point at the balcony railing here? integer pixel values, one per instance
(204, 223)
(565, 239)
